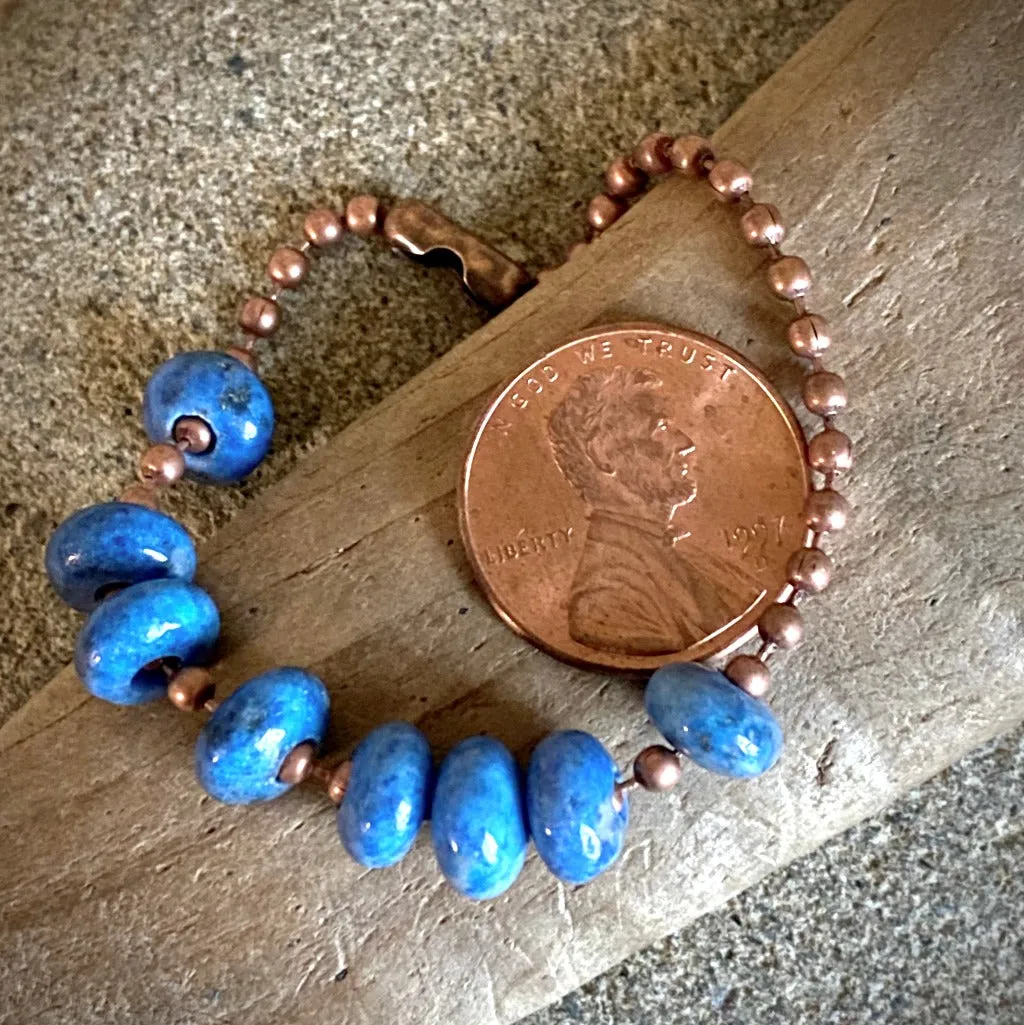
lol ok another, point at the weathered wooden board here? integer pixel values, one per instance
(891, 143)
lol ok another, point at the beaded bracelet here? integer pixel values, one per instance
(150, 630)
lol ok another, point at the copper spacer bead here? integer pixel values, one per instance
(298, 764)
(604, 211)
(259, 316)
(749, 674)
(337, 782)
(364, 216)
(139, 494)
(322, 227)
(194, 434)
(809, 569)
(809, 335)
(730, 180)
(244, 356)
(651, 155)
(161, 465)
(826, 510)
(781, 625)
(657, 768)
(623, 179)
(691, 154)
(789, 277)
(287, 267)
(190, 688)
(824, 393)
(762, 225)
(830, 451)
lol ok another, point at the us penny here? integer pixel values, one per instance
(632, 498)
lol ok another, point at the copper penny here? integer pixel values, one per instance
(632, 498)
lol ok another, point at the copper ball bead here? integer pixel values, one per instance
(762, 225)
(651, 155)
(826, 510)
(657, 768)
(161, 465)
(692, 155)
(260, 316)
(831, 451)
(790, 277)
(623, 178)
(190, 688)
(824, 393)
(322, 228)
(287, 267)
(194, 433)
(749, 674)
(298, 764)
(809, 569)
(809, 335)
(604, 211)
(730, 180)
(364, 216)
(781, 625)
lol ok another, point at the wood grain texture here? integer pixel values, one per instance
(889, 144)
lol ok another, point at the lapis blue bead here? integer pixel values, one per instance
(708, 718)
(570, 797)
(241, 749)
(478, 821)
(115, 544)
(388, 795)
(224, 393)
(157, 619)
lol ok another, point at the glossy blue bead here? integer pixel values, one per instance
(478, 821)
(228, 396)
(115, 543)
(708, 718)
(388, 795)
(157, 619)
(570, 790)
(241, 749)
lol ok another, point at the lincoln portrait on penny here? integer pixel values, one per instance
(639, 588)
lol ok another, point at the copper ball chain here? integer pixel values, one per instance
(829, 452)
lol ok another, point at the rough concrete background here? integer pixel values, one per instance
(150, 156)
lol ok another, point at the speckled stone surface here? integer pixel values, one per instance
(152, 620)
(242, 747)
(478, 818)
(228, 397)
(711, 721)
(151, 156)
(114, 544)
(578, 827)
(388, 794)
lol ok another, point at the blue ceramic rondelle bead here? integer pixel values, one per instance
(228, 396)
(388, 795)
(115, 543)
(478, 821)
(570, 786)
(153, 620)
(708, 718)
(241, 749)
